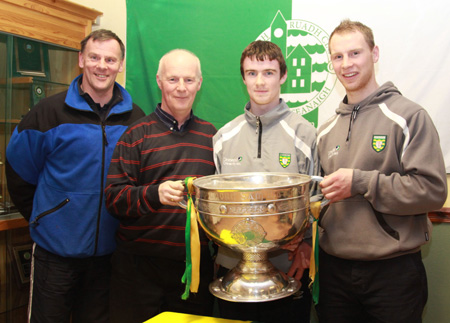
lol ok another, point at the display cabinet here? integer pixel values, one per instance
(39, 40)
(29, 71)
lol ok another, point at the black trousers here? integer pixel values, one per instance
(392, 290)
(142, 287)
(69, 289)
(292, 309)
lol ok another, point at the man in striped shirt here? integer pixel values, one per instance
(143, 188)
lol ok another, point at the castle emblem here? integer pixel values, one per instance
(310, 77)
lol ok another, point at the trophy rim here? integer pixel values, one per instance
(301, 179)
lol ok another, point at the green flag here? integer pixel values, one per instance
(217, 32)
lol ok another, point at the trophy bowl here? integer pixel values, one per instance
(253, 214)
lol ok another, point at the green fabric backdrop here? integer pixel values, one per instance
(216, 31)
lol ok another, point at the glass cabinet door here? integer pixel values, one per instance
(29, 71)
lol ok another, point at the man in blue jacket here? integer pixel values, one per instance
(57, 162)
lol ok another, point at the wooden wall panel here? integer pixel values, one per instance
(54, 21)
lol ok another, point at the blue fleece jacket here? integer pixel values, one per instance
(57, 162)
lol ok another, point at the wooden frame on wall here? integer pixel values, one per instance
(29, 58)
(22, 259)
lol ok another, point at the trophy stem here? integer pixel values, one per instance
(254, 279)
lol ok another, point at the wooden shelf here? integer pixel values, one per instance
(18, 80)
(442, 215)
(12, 221)
(13, 121)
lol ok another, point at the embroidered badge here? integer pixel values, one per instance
(285, 160)
(333, 152)
(379, 142)
(233, 161)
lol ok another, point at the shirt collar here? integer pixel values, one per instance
(116, 98)
(170, 121)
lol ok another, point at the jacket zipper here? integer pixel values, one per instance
(259, 133)
(60, 205)
(352, 119)
(105, 139)
(99, 212)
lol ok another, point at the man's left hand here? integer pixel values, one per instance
(300, 260)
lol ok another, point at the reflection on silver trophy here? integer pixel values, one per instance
(253, 213)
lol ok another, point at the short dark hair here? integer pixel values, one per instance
(102, 35)
(347, 25)
(262, 50)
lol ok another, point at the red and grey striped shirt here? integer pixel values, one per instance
(147, 154)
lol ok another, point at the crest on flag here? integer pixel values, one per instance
(311, 77)
(285, 159)
(379, 142)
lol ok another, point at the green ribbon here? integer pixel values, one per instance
(187, 276)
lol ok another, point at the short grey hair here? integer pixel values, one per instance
(162, 60)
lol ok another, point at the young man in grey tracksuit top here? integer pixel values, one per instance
(268, 137)
(384, 171)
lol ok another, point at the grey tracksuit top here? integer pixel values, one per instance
(399, 175)
(258, 144)
(278, 141)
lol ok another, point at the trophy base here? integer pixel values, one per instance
(250, 285)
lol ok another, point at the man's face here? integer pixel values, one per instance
(263, 81)
(101, 61)
(353, 62)
(179, 83)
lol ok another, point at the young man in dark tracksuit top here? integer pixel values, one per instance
(375, 153)
(57, 162)
(143, 189)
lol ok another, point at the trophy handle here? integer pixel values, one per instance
(317, 179)
(182, 204)
(319, 197)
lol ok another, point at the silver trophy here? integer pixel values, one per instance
(253, 213)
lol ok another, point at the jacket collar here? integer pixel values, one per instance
(380, 95)
(273, 116)
(76, 100)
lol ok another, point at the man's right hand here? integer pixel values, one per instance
(171, 192)
(338, 185)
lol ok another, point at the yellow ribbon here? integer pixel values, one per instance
(191, 275)
(314, 260)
